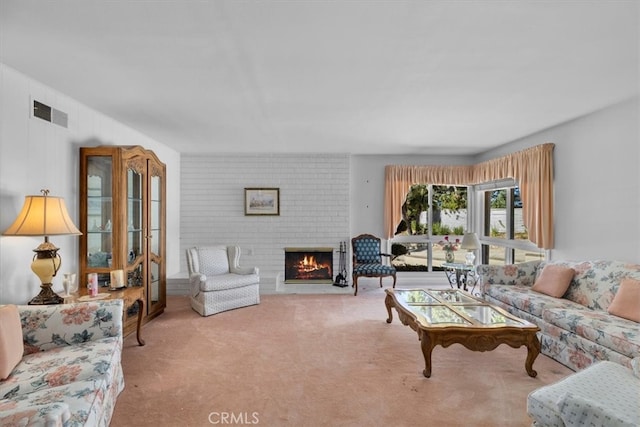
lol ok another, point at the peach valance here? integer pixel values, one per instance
(532, 169)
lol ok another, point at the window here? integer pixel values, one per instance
(429, 213)
(503, 227)
(535, 164)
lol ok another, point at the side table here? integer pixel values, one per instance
(130, 295)
(461, 275)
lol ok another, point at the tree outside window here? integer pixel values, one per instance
(431, 211)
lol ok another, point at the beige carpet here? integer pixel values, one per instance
(315, 360)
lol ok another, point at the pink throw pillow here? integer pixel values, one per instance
(626, 302)
(554, 280)
(11, 345)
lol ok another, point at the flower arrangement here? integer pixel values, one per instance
(447, 245)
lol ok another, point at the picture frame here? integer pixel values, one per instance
(262, 201)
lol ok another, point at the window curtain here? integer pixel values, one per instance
(532, 169)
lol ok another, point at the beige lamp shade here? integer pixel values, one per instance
(42, 216)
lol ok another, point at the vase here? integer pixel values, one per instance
(448, 256)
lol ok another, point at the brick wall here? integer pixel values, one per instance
(314, 204)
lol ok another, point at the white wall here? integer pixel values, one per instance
(597, 183)
(314, 205)
(35, 154)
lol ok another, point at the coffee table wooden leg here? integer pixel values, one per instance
(388, 302)
(139, 327)
(533, 349)
(427, 344)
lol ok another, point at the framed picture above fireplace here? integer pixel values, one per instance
(262, 201)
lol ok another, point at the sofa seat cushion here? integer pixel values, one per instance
(226, 281)
(88, 403)
(547, 404)
(21, 414)
(64, 365)
(522, 298)
(373, 270)
(617, 334)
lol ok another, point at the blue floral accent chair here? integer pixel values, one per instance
(367, 260)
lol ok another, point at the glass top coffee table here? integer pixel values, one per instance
(449, 316)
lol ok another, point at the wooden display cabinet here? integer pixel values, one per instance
(122, 220)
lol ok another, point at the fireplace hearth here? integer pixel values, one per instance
(308, 265)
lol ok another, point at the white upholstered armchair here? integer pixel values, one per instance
(217, 281)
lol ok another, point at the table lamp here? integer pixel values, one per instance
(471, 243)
(44, 216)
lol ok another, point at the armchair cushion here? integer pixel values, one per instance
(213, 260)
(576, 410)
(373, 269)
(227, 281)
(367, 250)
(11, 345)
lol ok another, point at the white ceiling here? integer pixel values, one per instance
(360, 76)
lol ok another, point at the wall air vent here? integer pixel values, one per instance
(49, 114)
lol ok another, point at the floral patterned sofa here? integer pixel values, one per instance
(70, 373)
(576, 329)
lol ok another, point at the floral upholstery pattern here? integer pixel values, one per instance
(575, 330)
(71, 373)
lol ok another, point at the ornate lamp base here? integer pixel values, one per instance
(46, 296)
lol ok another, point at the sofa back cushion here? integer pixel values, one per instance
(626, 303)
(11, 344)
(595, 283)
(522, 274)
(554, 280)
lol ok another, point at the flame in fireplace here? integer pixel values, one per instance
(309, 263)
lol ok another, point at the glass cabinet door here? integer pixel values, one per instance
(155, 239)
(99, 220)
(135, 228)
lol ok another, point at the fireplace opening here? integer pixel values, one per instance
(308, 265)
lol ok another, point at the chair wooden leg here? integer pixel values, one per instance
(355, 285)
(380, 281)
(394, 281)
